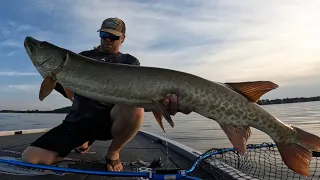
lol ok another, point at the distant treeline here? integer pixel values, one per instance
(65, 110)
(288, 100)
(59, 111)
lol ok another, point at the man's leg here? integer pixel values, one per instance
(55, 144)
(127, 121)
(36, 155)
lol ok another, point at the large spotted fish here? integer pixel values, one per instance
(232, 105)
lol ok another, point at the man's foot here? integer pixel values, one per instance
(113, 162)
(114, 165)
(85, 147)
(82, 150)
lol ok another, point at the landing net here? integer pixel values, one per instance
(262, 161)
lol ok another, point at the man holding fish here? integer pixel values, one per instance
(89, 120)
(233, 105)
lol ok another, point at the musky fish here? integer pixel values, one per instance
(233, 105)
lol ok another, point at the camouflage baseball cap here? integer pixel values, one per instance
(114, 26)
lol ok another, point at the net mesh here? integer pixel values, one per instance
(262, 161)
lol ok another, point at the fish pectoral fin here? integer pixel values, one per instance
(238, 135)
(162, 110)
(68, 93)
(47, 85)
(253, 90)
(158, 117)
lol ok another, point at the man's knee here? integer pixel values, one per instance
(126, 120)
(127, 113)
(36, 155)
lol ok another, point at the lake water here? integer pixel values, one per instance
(192, 130)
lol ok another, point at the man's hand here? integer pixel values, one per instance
(171, 103)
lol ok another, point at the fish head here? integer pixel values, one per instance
(46, 57)
(49, 60)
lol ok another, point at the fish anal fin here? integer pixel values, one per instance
(68, 92)
(162, 110)
(253, 90)
(238, 136)
(159, 118)
(47, 86)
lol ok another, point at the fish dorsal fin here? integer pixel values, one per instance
(253, 90)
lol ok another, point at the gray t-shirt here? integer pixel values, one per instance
(86, 109)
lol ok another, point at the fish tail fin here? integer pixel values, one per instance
(297, 155)
(238, 136)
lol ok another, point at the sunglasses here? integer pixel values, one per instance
(105, 35)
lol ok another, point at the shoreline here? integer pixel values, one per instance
(65, 110)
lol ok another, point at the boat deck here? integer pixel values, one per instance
(141, 147)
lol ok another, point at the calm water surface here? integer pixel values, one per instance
(192, 130)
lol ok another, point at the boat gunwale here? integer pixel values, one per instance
(181, 149)
(23, 131)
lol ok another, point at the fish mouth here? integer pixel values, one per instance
(30, 44)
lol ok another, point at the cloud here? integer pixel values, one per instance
(26, 97)
(11, 32)
(10, 43)
(4, 32)
(23, 87)
(15, 73)
(32, 102)
(19, 27)
(218, 40)
(147, 30)
(27, 88)
(228, 31)
(303, 86)
(31, 89)
(11, 53)
(14, 32)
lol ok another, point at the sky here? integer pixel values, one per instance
(220, 40)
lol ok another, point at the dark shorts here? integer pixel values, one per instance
(69, 135)
(87, 120)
